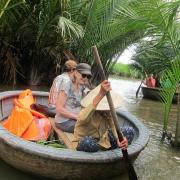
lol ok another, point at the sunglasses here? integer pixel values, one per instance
(85, 75)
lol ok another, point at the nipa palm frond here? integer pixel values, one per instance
(171, 75)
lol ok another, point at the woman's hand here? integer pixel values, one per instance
(123, 144)
(105, 87)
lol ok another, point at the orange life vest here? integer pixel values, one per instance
(25, 122)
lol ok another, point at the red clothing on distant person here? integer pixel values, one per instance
(150, 82)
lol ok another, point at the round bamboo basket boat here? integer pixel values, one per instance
(56, 163)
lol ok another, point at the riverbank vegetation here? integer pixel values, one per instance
(125, 70)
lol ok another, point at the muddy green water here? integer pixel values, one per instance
(158, 161)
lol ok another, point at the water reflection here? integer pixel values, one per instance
(158, 161)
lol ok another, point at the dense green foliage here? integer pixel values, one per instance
(150, 55)
(125, 70)
(38, 36)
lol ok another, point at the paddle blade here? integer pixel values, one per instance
(131, 172)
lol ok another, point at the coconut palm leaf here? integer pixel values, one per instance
(11, 11)
(150, 55)
(173, 75)
(104, 28)
(10, 5)
(66, 26)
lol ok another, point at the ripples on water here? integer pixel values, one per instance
(158, 161)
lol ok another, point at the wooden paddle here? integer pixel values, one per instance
(137, 92)
(131, 172)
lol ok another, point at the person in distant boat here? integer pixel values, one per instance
(95, 129)
(150, 81)
(69, 97)
(157, 80)
(68, 75)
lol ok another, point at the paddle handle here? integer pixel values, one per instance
(108, 95)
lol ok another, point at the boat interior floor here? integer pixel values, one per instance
(66, 137)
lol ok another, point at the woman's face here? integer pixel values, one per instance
(71, 73)
(81, 78)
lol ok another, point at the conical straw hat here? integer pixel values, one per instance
(103, 104)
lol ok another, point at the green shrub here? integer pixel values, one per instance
(124, 70)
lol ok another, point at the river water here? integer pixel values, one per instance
(158, 161)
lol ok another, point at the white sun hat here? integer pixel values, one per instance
(103, 104)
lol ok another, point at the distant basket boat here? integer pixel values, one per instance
(154, 94)
(56, 163)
